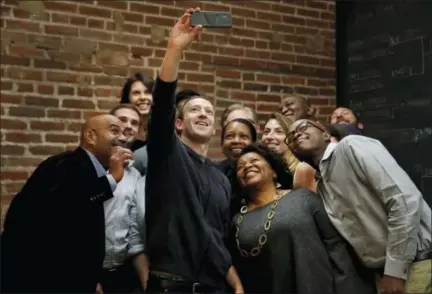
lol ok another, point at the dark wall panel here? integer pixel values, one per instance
(385, 75)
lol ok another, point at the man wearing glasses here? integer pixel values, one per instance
(373, 204)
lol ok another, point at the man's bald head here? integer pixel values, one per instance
(100, 135)
(98, 122)
(297, 107)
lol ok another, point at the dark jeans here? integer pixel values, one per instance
(122, 279)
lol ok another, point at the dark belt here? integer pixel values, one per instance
(423, 255)
(169, 285)
(114, 269)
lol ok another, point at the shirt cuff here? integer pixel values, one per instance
(136, 249)
(396, 268)
(112, 182)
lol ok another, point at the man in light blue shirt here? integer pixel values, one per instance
(124, 220)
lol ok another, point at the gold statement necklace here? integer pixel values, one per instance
(262, 240)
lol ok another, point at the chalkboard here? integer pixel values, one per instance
(385, 76)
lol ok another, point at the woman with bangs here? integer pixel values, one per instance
(283, 241)
(274, 137)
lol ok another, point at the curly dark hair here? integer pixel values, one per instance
(283, 176)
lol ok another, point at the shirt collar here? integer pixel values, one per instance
(324, 163)
(201, 159)
(100, 170)
(328, 152)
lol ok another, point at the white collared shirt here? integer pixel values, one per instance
(124, 219)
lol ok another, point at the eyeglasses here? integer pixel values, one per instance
(301, 128)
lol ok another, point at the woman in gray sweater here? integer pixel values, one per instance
(284, 242)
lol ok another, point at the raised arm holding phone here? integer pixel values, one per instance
(187, 198)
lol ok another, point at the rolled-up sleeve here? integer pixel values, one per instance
(400, 196)
(136, 235)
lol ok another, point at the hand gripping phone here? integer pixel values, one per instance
(212, 19)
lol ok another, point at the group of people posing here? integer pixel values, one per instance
(296, 207)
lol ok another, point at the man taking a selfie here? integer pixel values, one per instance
(187, 198)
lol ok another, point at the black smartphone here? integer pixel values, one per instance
(212, 19)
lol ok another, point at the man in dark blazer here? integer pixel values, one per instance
(54, 231)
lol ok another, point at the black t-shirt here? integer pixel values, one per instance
(187, 202)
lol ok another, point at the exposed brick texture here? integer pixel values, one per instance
(63, 61)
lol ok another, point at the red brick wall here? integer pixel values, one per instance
(62, 61)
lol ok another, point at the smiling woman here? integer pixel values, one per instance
(274, 134)
(284, 242)
(137, 91)
(274, 137)
(236, 135)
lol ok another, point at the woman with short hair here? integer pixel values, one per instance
(236, 134)
(284, 242)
